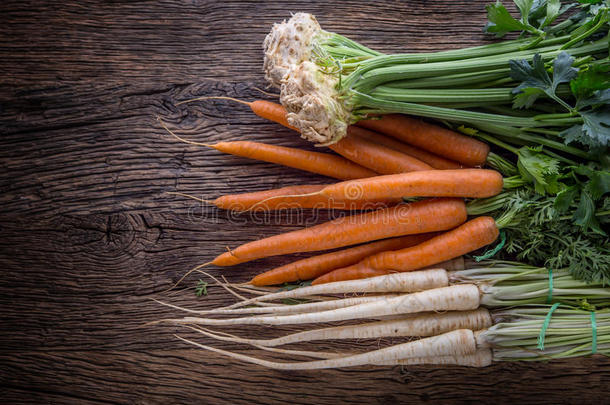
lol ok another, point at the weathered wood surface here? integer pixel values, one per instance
(89, 235)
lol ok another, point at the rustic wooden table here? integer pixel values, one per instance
(89, 237)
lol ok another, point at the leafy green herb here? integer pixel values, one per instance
(536, 80)
(538, 232)
(585, 214)
(597, 77)
(565, 198)
(201, 288)
(542, 170)
(500, 20)
(596, 126)
(535, 16)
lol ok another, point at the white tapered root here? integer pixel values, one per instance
(395, 282)
(461, 297)
(454, 343)
(289, 309)
(424, 325)
(480, 358)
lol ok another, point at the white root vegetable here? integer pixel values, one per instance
(305, 353)
(454, 343)
(461, 297)
(396, 282)
(480, 358)
(430, 324)
(288, 309)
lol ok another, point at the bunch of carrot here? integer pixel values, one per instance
(411, 159)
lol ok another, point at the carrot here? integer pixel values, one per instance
(468, 183)
(315, 266)
(433, 160)
(433, 138)
(265, 200)
(314, 162)
(360, 151)
(377, 157)
(404, 219)
(263, 108)
(470, 236)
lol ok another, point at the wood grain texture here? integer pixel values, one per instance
(89, 235)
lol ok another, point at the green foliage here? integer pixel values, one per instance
(535, 80)
(540, 234)
(535, 15)
(201, 288)
(597, 77)
(540, 169)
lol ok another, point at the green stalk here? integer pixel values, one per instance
(443, 96)
(518, 134)
(511, 287)
(462, 116)
(515, 335)
(449, 81)
(383, 69)
(602, 20)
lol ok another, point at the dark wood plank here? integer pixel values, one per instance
(90, 236)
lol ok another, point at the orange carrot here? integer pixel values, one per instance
(315, 266)
(271, 111)
(465, 238)
(314, 162)
(265, 201)
(404, 219)
(263, 108)
(433, 138)
(377, 157)
(367, 154)
(468, 183)
(433, 160)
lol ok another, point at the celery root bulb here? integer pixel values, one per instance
(307, 92)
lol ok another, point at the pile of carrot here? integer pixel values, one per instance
(380, 162)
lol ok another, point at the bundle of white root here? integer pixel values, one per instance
(443, 309)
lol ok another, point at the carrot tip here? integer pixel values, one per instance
(182, 139)
(190, 196)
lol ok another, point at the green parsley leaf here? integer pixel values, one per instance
(597, 77)
(585, 214)
(598, 185)
(596, 125)
(540, 169)
(553, 8)
(565, 198)
(500, 20)
(536, 80)
(527, 97)
(599, 97)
